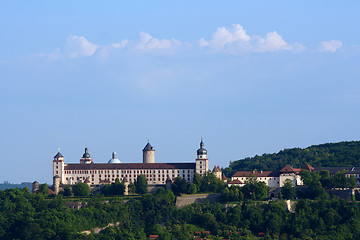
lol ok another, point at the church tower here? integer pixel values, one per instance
(58, 165)
(202, 162)
(86, 157)
(148, 154)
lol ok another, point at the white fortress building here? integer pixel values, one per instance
(101, 173)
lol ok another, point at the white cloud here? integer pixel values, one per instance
(79, 46)
(330, 46)
(121, 44)
(236, 39)
(147, 42)
(104, 51)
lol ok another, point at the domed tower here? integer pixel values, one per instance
(202, 162)
(58, 165)
(148, 154)
(114, 159)
(86, 157)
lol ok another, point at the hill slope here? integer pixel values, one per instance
(342, 154)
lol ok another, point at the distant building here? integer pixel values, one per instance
(273, 179)
(100, 173)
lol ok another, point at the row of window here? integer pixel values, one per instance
(124, 171)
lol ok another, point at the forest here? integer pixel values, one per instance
(342, 154)
(24, 215)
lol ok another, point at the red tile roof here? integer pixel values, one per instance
(287, 169)
(236, 182)
(100, 166)
(256, 174)
(308, 167)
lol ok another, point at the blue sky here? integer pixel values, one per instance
(250, 77)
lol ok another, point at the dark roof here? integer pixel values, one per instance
(100, 166)
(201, 150)
(148, 147)
(58, 155)
(86, 154)
(256, 174)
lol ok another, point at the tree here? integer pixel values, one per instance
(81, 190)
(288, 190)
(117, 188)
(67, 191)
(141, 186)
(44, 189)
(253, 189)
(179, 186)
(191, 188)
(131, 188)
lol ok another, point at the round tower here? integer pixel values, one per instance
(126, 184)
(56, 184)
(148, 154)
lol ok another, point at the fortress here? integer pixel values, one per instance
(105, 173)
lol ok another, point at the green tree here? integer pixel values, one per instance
(44, 189)
(117, 188)
(141, 185)
(179, 186)
(191, 188)
(253, 189)
(67, 191)
(81, 190)
(288, 190)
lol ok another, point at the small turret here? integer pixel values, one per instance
(148, 154)
(86, 157)
(35, 187)
(56, 184)
(126, 184)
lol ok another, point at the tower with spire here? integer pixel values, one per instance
(58, 165)
(202, 162)
(148, 153)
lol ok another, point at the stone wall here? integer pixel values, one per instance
(185, 200)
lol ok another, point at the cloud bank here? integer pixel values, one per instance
(330, 46)
(148, 43)
(232, 40)
(235, 39)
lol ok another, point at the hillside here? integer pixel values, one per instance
(342, 154)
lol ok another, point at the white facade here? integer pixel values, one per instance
(108, 175)
(155, 173)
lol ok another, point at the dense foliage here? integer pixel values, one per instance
(29, 216)
(116, 188)
(343, 154)
(253, 189)
(141, 185)
(208, 183)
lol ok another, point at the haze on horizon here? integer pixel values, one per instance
(250, 77)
